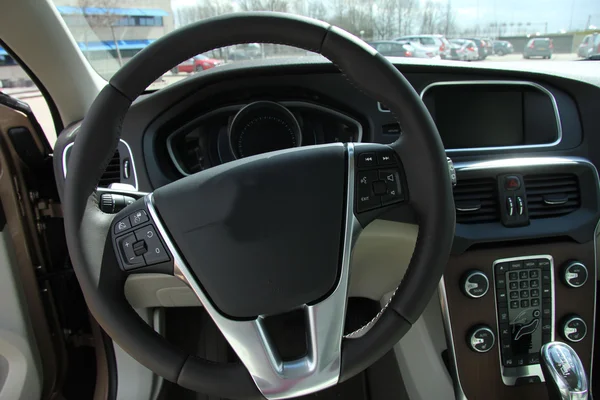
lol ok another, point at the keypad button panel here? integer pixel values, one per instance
(526, 322)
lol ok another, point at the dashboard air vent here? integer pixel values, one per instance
(551, 195)
(476, 201)
(112, 174)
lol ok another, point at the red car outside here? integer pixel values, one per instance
(198, 63)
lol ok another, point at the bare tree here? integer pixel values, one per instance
(407, 14)
(384, 20)
(264, 5)
(316, 9)
(105, 19)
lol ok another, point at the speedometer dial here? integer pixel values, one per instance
(261, 127)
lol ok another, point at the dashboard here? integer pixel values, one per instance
(525, 144)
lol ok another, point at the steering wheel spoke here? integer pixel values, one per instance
(250, 339)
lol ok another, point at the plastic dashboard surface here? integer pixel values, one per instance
(154, 117)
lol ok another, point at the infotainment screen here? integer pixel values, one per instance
(479, 115)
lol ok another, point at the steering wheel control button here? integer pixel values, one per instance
(574, 329)
(139, 248)
(379, 188)
(475, 284)
(385, 158)
(391, 178)
(122, 226)
(138, 218)
(156, 252)
(481, 339)
(575, 274)
(367, 160)
(367, 199)
(126, 249)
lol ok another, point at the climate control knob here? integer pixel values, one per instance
(574, 328)
(475, 284)
(481, 339)
(575, 274)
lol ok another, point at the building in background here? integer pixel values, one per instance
(119, 28)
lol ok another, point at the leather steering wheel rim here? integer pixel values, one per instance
(88, 229)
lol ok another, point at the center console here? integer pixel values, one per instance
(524, 289)
(509, 288)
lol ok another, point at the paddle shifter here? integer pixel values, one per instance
(563, 372)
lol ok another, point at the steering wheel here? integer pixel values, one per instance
(266, 234)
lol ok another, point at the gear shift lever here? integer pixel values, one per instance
(563, 371)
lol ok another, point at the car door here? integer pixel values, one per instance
(41, 345)
(30, 340)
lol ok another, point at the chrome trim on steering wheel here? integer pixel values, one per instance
(275, 378)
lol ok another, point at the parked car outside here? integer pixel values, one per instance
(420, 51)
(393, 48)
(489, 46)
(439, 43)
(538, 47)
(195, 64)
(589, 45)
(464, 50)
(481, 47)
(248, 51)
(503, 47)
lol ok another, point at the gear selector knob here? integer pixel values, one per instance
(563, 372)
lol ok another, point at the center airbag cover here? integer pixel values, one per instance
(263, 235)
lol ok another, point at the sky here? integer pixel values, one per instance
(553, 15)
(559, 14)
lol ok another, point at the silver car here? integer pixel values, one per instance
(589, 45)
(435, 43)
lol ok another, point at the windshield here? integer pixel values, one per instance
(110, 32)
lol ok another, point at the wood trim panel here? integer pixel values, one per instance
(479, 373)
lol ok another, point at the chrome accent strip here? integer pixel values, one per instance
(584, 324)
(468, 209)
(299, 104)
(510, 375)
(277, 379)
(158, 323)
(521, 162)
(595, 283)
(506, 82)
(555, 202)
(458, 390)
(474, 273)
(478, 330)
(132, 193)
(381, 109)
(67, 147)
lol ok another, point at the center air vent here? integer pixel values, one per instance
(552, 195)
(112, 174)
(476, 201)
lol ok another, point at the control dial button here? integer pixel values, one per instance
(475, 284)
(574, 329)
(481, 339)
(575, 274)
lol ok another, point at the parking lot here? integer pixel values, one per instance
(37, 103)
(519, 57)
